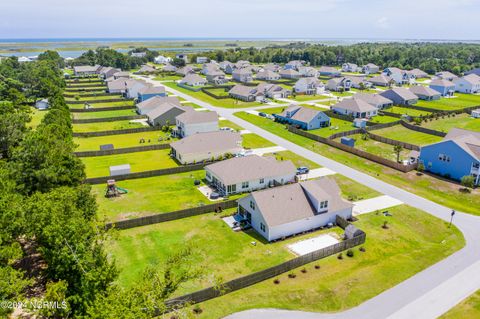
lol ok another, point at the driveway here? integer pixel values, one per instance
(373, 204)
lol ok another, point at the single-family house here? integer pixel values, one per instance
(418, 74)
(350, 67)
(271, 67)
(84, 70)
(169, 68)
(294, 65)
(268, 75)
(162, 59)
(400, 96)
(166, 113)
(444, 87)
(309, 86)
(249, 173)
(126, 86)
(356, 108)
(375, 100)
(156, 101)
(207, 67)
(303, 117)
(146, 69)
(273, 91)
(149, 92)
(182, 56)
(246, 93)
(457, 155)
(400, 76)
(224, 65)
(190, 123)
(243, 75)
(381, 80)
(284, 211)
(425, 93)
(216, 77)
(359, 82)
(329, 71)
(475, 114)
(445, 75)
(108, 72)
(202, 59)
(370, 68)
(185, 70)
(193, 79)
(468, 83)
(289, 74)
(339, 84)
(41, 104)
(308, 71)
(133, 87)
(138, 54)
(121, 74)
(475, 71)
(201, 147)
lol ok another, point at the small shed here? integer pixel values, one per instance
(347, 141)
(476, 114)
(106, 147)
(119, 169)
(352, 231)
(42, 104)
(360, 123)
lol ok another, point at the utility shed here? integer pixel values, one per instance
(106, 147)
(347, 141)
(120, 170)
(352, 231)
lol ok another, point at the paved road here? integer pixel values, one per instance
(429, 293)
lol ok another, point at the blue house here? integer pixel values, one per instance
(149, 92)
(457, 155)
(305, 118)
(444, 87)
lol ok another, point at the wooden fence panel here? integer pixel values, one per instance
(109, 119)
(116, 132)
(125, 150)
(102, 109)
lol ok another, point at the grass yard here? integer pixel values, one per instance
(433, 188)
(251, 140)
(164, 77)
(343, 94)
(195, 106)
(467, 309)
(226, 103)
(336, 126)
(103, 114)
(94, 98)
(219, 91)
(306, 98)
(102, 105)
(378, 148)
(460, 101)
(403, 134)
(139, 161)
(106, 126)
(121, 140)
(406, 111)
(413, 242)
(353, 190)
(153, 195)
(383, 119)
(227, 123)
(220, 252)
(445, 124)
(36, 117)
(296, 159)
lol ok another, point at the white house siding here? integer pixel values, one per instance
(190, 129)
(189, 158)
(463, 86)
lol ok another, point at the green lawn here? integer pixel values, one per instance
(383, 119)
(163, 77)
(104, 114)
(226, 103)
(407, 111)
(252, 140)
(413, 242)
(139, 161)
(459, 102)
(336, 126)
(353, 190)
(152, 195)
(101, 105)
(106, 126)
(467, 309)
(296, 159)
(195, 106)
(227, 123)
(445, 124)
(121, 140)
(37, 117)
(94, 98)
(401, 133)
(437, 190)
(343, 94)
(306, 98)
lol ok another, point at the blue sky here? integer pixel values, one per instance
(399, 19)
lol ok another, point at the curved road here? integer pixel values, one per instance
(427, 294)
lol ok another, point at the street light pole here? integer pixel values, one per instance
(451, 217)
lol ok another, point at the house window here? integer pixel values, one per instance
(262, 180)
(232, 188)
(244, 184)
(324, 204)
(252, 205)
(443, 158)
(262, 227)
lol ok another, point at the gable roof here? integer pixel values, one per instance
(382, 78)
(466, 139)
(150, 89)
(303, 114)
(156, 101)
(355, 105)
(308, 81)
(166, 107)
(328, 69)
(446, 75)
(197, 117)
(247, 168)
(421, 90)
(402, 92)
(243, 90)
(266, 73)
(472, 78)
(441, 82)
(208, 142)
(289, 72)
(192, 78)
(146, 68)
(373, 98)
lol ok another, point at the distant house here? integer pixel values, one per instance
(294, 65)
(268, 75)
(223, 65)
(201, 147)
(190, 123)
(162, 59)
(375, 100)
(249, 173)
(146, 69)
(121, 74)
(138, 54)
(370, 68)
(444, 87)
(400, 96)
(108, 72)
(308, 71)
(127, 87)
(350, 67)
(356, 108)
(467, 84)
(359, 82)
(149, 92)
(329, 71)
(445, 75)
(243, 75)
(309, 86)
(287, 210)
(148, 105)
(475, 71)
(289, 74)
(305, 118)
(169, 68)
(216, 77)
(425, 93)
(399, 76)
(381, 80)
(457, 155)
(338, 84)
(185, 70)
(246, 93)
(419, 74)
(202, 59)
(271, 67)
(475, 114)
(193, 79)
(209, 67)
(84, 70)
(273, 91)
(182, 56)
(42, 104)
(166, 113)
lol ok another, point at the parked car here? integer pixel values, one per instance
(262, 114)
(302, 170)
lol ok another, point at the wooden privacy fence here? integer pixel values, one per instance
(80, 90)
(390, 141)
(125, 150)
(86, 86)
(188, 87)
(423, 129)
(166, 217)
(89, 95)
(355, 151)
(99, 101)
(102, 109)
(109, 119)
(145, 174)
(207, 91)
(116, 132)
(259, 276)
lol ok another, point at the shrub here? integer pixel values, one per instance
(468, 181)
(304, 270)
(317, 266)
(385, 225)
(362, 249)
(350, 253)
(340, 256)
(292, 275)
(276, 281)
(197, 310)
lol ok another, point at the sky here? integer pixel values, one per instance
(284, 19)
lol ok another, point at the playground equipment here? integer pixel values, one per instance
(113, 190)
